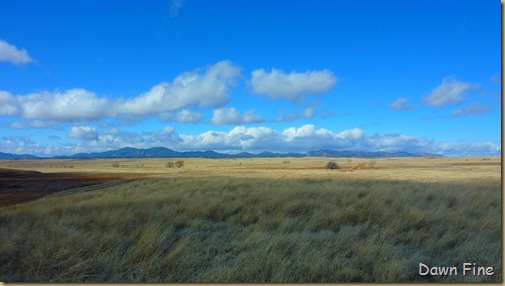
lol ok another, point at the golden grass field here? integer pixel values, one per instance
(419, 169)
(254, 220)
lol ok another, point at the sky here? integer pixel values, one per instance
(235, 76)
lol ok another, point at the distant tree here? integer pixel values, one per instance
(332, 165)
(179, 163)
(372, 164)
(170, 164)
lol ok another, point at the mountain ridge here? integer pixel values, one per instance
(162, 152)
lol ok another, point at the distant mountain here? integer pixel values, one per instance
(16, 157)
(162, 152)
(128, 152)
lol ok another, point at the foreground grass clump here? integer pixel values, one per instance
(237, 229)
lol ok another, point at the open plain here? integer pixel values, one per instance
(248, 220)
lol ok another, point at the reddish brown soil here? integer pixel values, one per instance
(19, 186)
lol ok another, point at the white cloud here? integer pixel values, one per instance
(449, 92)
(233, 116)
(8, 104)
(72, 104)
(83, 133)
(202, 88)
(307, 138)
(351, 134)
(401, 104)
(10, 53)
(467, 148)
(474, 108)
(182, 116)
(292, 86)
(398, 142)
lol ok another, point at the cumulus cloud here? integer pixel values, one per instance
(474, 108)
(449, 92)
(202, 88)
(83, 133)
(73, 104)
(10, 53)
(293, 86)
(233, 116)
(401, 104)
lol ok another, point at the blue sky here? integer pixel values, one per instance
(232, 76)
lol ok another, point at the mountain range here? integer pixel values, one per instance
(161, 152)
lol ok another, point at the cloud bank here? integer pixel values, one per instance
(252, 139)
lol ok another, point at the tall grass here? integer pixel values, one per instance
(241, 229)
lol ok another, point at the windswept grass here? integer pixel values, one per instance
(224, 229)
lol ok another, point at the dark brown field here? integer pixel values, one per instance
(19, 186)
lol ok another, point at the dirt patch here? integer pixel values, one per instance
(19, 186)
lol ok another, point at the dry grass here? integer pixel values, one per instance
(255, 225)
(411, 169)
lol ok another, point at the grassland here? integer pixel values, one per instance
(257, 220)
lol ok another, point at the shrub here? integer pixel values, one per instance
(179, 164)
(332, 165)
(170, 164)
